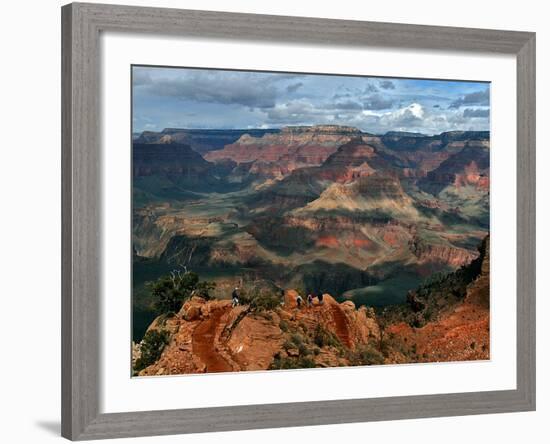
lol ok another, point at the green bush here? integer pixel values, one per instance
(303, 350)
(325, 338)
(152, 345)
(287, 345)
(296, 339)
(265, 302)
(280, 363)
(366, 355)
(260, 299)
(203, 289)
(170, 291)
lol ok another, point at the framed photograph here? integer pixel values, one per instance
(278, 221)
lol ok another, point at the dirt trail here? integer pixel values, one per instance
(342, 330)
(204, 344)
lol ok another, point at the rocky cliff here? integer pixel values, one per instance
(200, 140)
(443, 320)
(327, 208)
(211, 336)
(291, 148)
(447, 319)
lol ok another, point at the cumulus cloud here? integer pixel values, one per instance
(233, 88)
(474, 98)
(240, 99)
(338, 96)
(141, 77)
(377, 102)
(296, 112)
(476, 112)
(404, 117)
(370, 88)
(294, 87)
(347, 104)
(387, 84)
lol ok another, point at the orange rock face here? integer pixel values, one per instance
(292, 148)
(212, 336)
(461, 334)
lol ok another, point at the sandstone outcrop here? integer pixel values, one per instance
(457, 327)
(283, 152)
(213, 336)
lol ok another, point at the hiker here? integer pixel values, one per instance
(299, 301)
(310, 300)
(282, 297)
(235, 297)
(320, 297)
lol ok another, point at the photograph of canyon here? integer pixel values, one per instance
(298, 221)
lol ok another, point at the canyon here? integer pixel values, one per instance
(363, 218)
(447, 320)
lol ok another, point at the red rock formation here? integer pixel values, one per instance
(461, 332)
(447, 254)
(214, 337)
(292, 148)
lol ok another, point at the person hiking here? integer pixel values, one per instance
(235, 297)
(320, 297)
(299, 301)
(282, 297)
(310, 300)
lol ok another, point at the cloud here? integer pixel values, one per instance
(234, 88)
(296, 112)
(378, 102)
(294, 87)
(240, 99)
(347, 104)
(474, 98)
(341, 96)
(141, 77)
(387, 84)
(404, 117)
(476, 112)
(370, 88)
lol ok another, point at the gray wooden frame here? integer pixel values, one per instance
(81, 26)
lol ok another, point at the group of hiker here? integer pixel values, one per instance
(310, 297)
(299, 299)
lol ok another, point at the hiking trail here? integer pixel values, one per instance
(342, 330)
(204, 344)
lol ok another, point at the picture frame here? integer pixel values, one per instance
(81, 232)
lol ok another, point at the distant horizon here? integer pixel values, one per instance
(297, 126)
(190, 98)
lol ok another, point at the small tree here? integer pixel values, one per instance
(171, 291)
(151, 348)
(203, 289)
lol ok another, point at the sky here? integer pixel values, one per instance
(221, 99)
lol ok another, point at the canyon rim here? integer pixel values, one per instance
(285, 221)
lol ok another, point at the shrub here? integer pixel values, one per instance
(152, 345)
(203, 289)
(296, 339)
(367, 355)
(283, 325)
(303, 350)
(287, 363)
(287, 345)
(370, 312)
(260, 299)
(265, 302)
(170, 291)
(325, 338)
